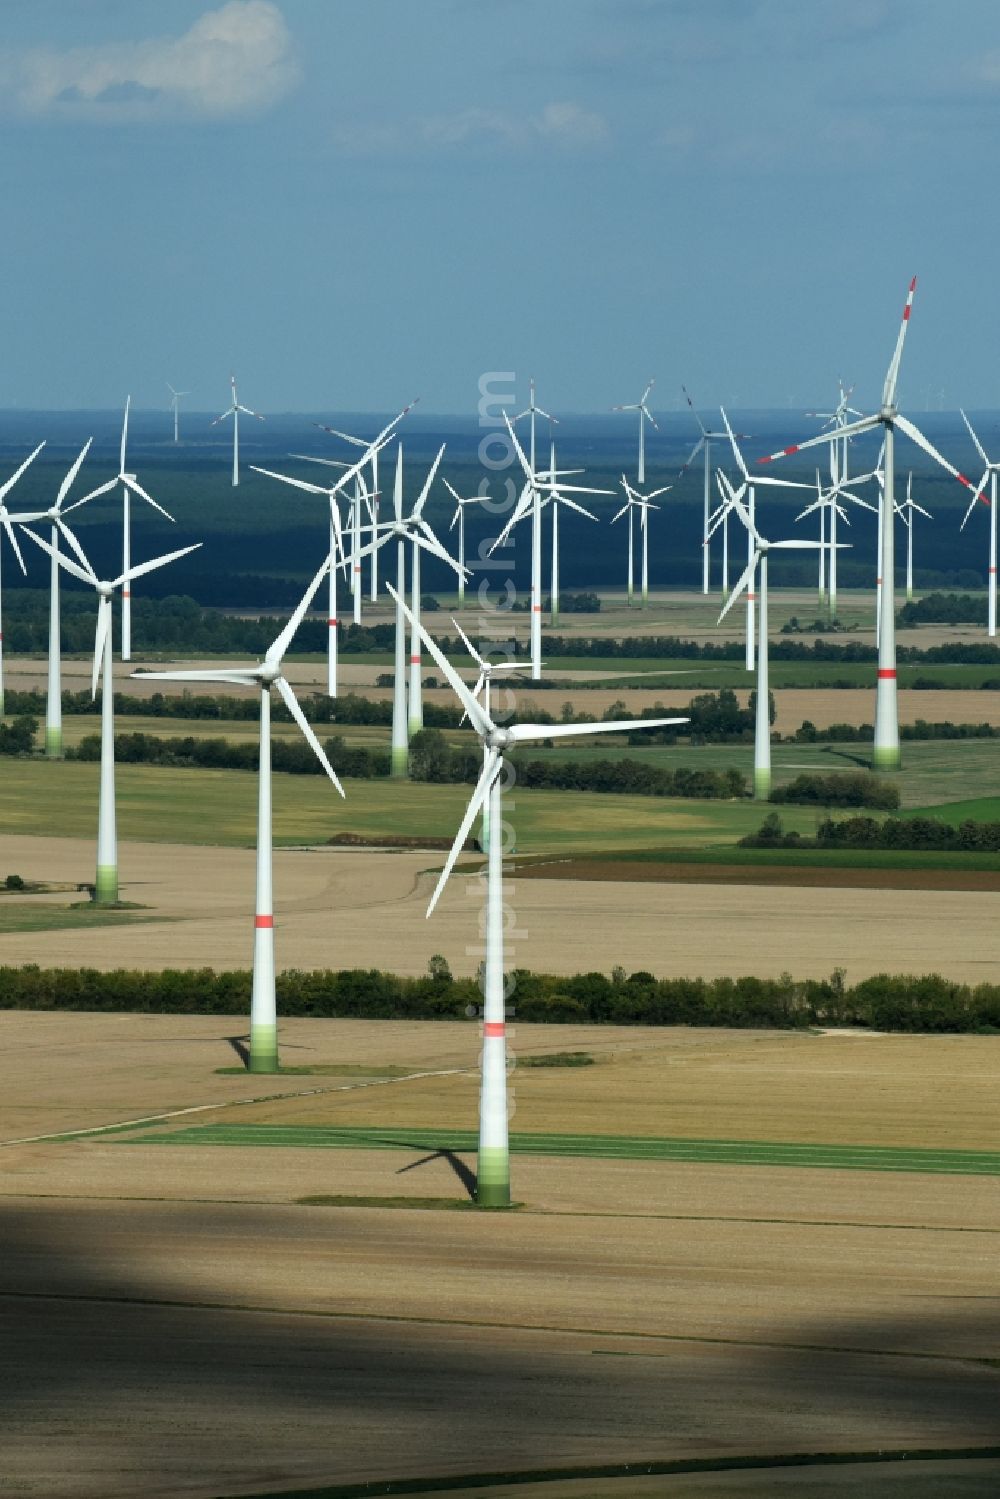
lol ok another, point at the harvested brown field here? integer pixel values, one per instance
(178, 1323)
(348, 908)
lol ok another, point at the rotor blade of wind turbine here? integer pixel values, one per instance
(71, 567)
(310, 458)
(915, 435)
(124, 441)
(618, 515)
(692, 455)
(526, 733)
(892, 374)
(287, 479)
(978, 495)
(216, 420)
(430, 543)
(478, 717)
(649, 417)
(359, 442)
(279, 646)
(746, 577)
(867, 424)
(915, 506)
(6, 488)
(13, 540)
(804, 545)
(67, 483)
(136, 488)
(103, 626)
(425, 491)
(470, 648)
(519, 450)
(148, 567)
(248, 677)
(70, 538)
(292, 704)
(572, 505)
(490, 770)
(94, 494)
(975, 439)
(250, 412)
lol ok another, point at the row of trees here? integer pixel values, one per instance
(927, 834)
(886, 1002)
(839, 789)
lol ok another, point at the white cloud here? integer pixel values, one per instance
(232, 61)
(562, 124)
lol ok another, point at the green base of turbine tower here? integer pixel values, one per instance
(106, 887)
(761, 785)
(53, 744)
(263, 1049)
(399, 763)
(493, 1179)
(886, 759)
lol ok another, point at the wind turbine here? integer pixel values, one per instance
(530, 499)
(175, 401)
(5, 521)
(645, 415)
(53, 701)
(886, 749)
(234, 410)
(989, 472)
(411, 529)
(555, 497)
(759, 554)
(265, 675)
(906, 510)
(106, 884)
(459, 516)
(750, 483)
(337, 556)
(634, 501)
(828, 500)
(532, 411)
(704, 444)
(493, 1164)
(373, 505)
(130, 486)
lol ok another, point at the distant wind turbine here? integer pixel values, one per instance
(704, 445)
(989, 472)
(175, 400)
(5, 521)
(234, 410)
(532, 411)
(645, 415)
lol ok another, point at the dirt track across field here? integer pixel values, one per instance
(358, 908)
(636, 871)
(178, 1323)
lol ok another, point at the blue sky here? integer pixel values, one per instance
(351, 202)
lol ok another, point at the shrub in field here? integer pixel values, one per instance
(840, 789)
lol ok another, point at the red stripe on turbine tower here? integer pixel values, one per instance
(885, 673)
(263, 921)
(332, 623)
(414, 660)
(494, 1028)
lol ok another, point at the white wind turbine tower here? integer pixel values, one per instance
(5, 521)
(759, 554)
(704, 445)
(53, 701)
(459, 516)
(106, 885)
(175, 401)
(130, 485)
(636, 501)
(906, 510)
(493, 1164)
(989, 472)
(750, 483)
(265, 675)
(645, 415)
(234, 410)
(531, 412)
(886, 750)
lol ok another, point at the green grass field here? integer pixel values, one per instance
(604, 1147)
(220, 807)
(26, 917)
